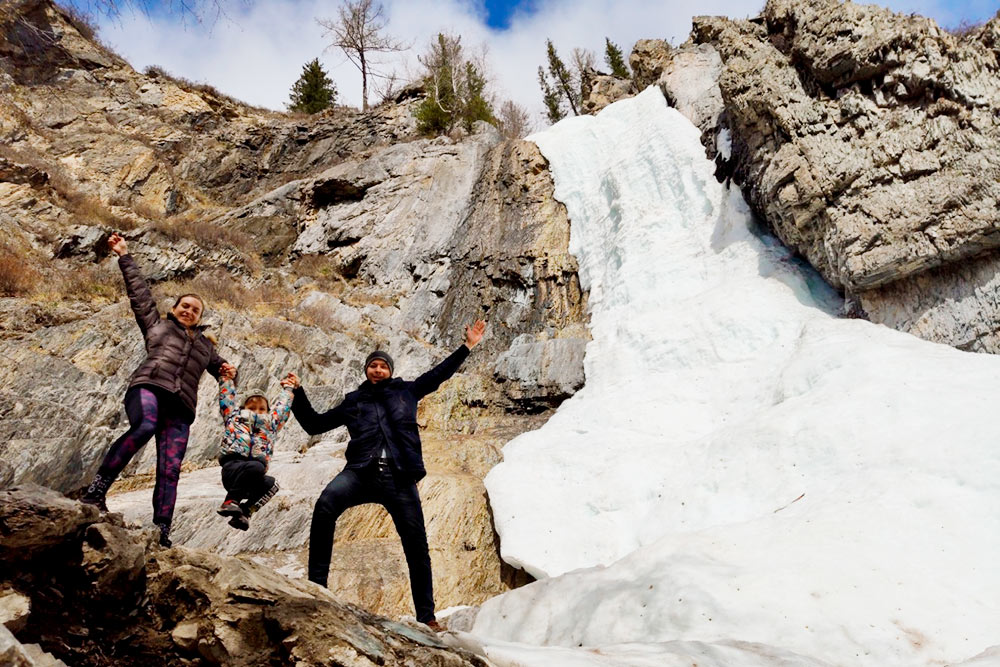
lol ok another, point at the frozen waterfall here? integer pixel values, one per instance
(744, 474)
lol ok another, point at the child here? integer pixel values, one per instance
(247, 447)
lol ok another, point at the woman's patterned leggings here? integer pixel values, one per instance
(152, 413)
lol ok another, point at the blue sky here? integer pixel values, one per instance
(499, 12)
(255, 49)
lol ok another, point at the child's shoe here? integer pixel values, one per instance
(230, 508)
(240, 521)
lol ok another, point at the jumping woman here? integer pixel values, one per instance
(162, 392)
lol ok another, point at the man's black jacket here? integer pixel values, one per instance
(382, 412)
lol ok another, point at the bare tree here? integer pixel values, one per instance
(358, 32)
(513, 120)
(187, 10)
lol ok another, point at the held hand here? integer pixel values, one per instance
(227, 372)
(291, 381)
(474, 333)
(118, 245)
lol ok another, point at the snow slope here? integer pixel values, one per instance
(743, 468)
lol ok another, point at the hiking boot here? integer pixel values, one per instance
(230, 508)
(96, 493)
(97, 501)
(434, 625)
(240, 522)
(165, 535)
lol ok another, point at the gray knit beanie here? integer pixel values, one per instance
(379, 354)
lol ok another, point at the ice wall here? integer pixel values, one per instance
(748, 466)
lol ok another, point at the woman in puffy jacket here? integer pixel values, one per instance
(162, 392)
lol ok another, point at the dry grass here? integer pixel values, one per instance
(208, 235)
(360, 297)
(148, 211)
(83, 23)
(15, 113)
(219, 289)
(318, 316)
(271, 332)
(323, 270)
(205, 89)
(17, 277)
(24, 274)
(205, 234)
(100, 283)
(85, 208)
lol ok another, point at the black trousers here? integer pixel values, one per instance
(375, 484)
(246, 482)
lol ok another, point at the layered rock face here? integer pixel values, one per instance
(93, 592)
(313, 240)
(868, 141)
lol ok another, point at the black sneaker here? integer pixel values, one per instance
(230, 508)
(240, 522)
(165, 535)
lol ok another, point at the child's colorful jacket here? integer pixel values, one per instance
(248, 434)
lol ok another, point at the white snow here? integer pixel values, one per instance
(744, 470)
(724, 143)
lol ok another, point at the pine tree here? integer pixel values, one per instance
(456, 89)
(314, 91)
(615, 60)
(476, 107)
(563, 79)
(553, 104)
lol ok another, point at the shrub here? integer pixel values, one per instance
(90, 282)
(270, 332)
(17, 278)
(965, 28)
(456, 89)
(86, 208)
(219, 289)
(325, 271)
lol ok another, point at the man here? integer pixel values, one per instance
(384, 462)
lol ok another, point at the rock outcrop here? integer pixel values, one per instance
(313, 240)
(598, 90)
(868, 141)
(101, 594)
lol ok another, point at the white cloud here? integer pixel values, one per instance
(256, 51)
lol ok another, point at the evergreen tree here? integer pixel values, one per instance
(456, 89)
(476, 107)
(553, 103)
(314, 91)
(563, 79)
(615, 60)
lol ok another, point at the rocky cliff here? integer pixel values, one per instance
(868, 141)
(81, 588)
(313, 240)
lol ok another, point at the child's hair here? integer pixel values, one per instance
(267, 405)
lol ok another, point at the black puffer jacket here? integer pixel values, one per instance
(385, 412)
(175, 357)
